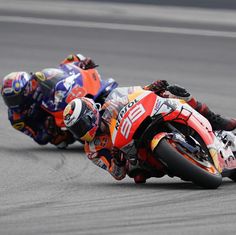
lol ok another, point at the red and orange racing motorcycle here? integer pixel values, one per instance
(167, 132)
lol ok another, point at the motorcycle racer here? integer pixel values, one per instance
(23, 96)
(90, 123)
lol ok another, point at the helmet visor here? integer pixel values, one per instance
(85, 122)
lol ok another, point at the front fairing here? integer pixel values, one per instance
(125, 111)
(106, 87)
(115, 101)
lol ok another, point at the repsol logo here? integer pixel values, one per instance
(123, 112)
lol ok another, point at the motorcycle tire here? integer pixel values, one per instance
(184, 166)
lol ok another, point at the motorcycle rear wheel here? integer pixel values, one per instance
(185, 167)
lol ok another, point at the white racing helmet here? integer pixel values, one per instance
(81, 117)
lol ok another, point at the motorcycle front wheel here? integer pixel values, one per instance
(185, 165)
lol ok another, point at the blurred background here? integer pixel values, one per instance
(191, 43)
(187, 42)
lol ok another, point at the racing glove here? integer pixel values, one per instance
(87, 63)
(158, 86)
(178, 91)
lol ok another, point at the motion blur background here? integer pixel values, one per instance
(47, 191)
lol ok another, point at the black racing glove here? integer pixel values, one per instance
(88, 63)
(178, 91)
(157, 86)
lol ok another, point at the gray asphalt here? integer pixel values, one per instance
(47, 191)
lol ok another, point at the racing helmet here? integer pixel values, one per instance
(14, 88)
(81, 117)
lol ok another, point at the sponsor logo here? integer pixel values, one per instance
(17, 87)
(68, 111)
(124, 111)
(133, 116)
(19, 125)
(40, 76)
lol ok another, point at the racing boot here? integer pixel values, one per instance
(217, 122)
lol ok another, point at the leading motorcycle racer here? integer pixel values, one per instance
(89, 123)
(22, 95)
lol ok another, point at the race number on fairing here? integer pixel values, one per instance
(134, 115)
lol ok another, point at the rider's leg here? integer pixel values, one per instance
(218, 122)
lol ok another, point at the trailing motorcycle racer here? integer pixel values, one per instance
(91, 124)
(23, 96)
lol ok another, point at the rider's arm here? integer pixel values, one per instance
(159, 86)
(98, 151)
(162, 88)
(19, 122)
(80, 61)
(59, 138)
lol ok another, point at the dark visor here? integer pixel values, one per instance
(84, 123)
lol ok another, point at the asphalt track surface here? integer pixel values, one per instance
(48, 191)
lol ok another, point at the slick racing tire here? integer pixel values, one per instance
(187, 166)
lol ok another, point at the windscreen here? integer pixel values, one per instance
(115, 101)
